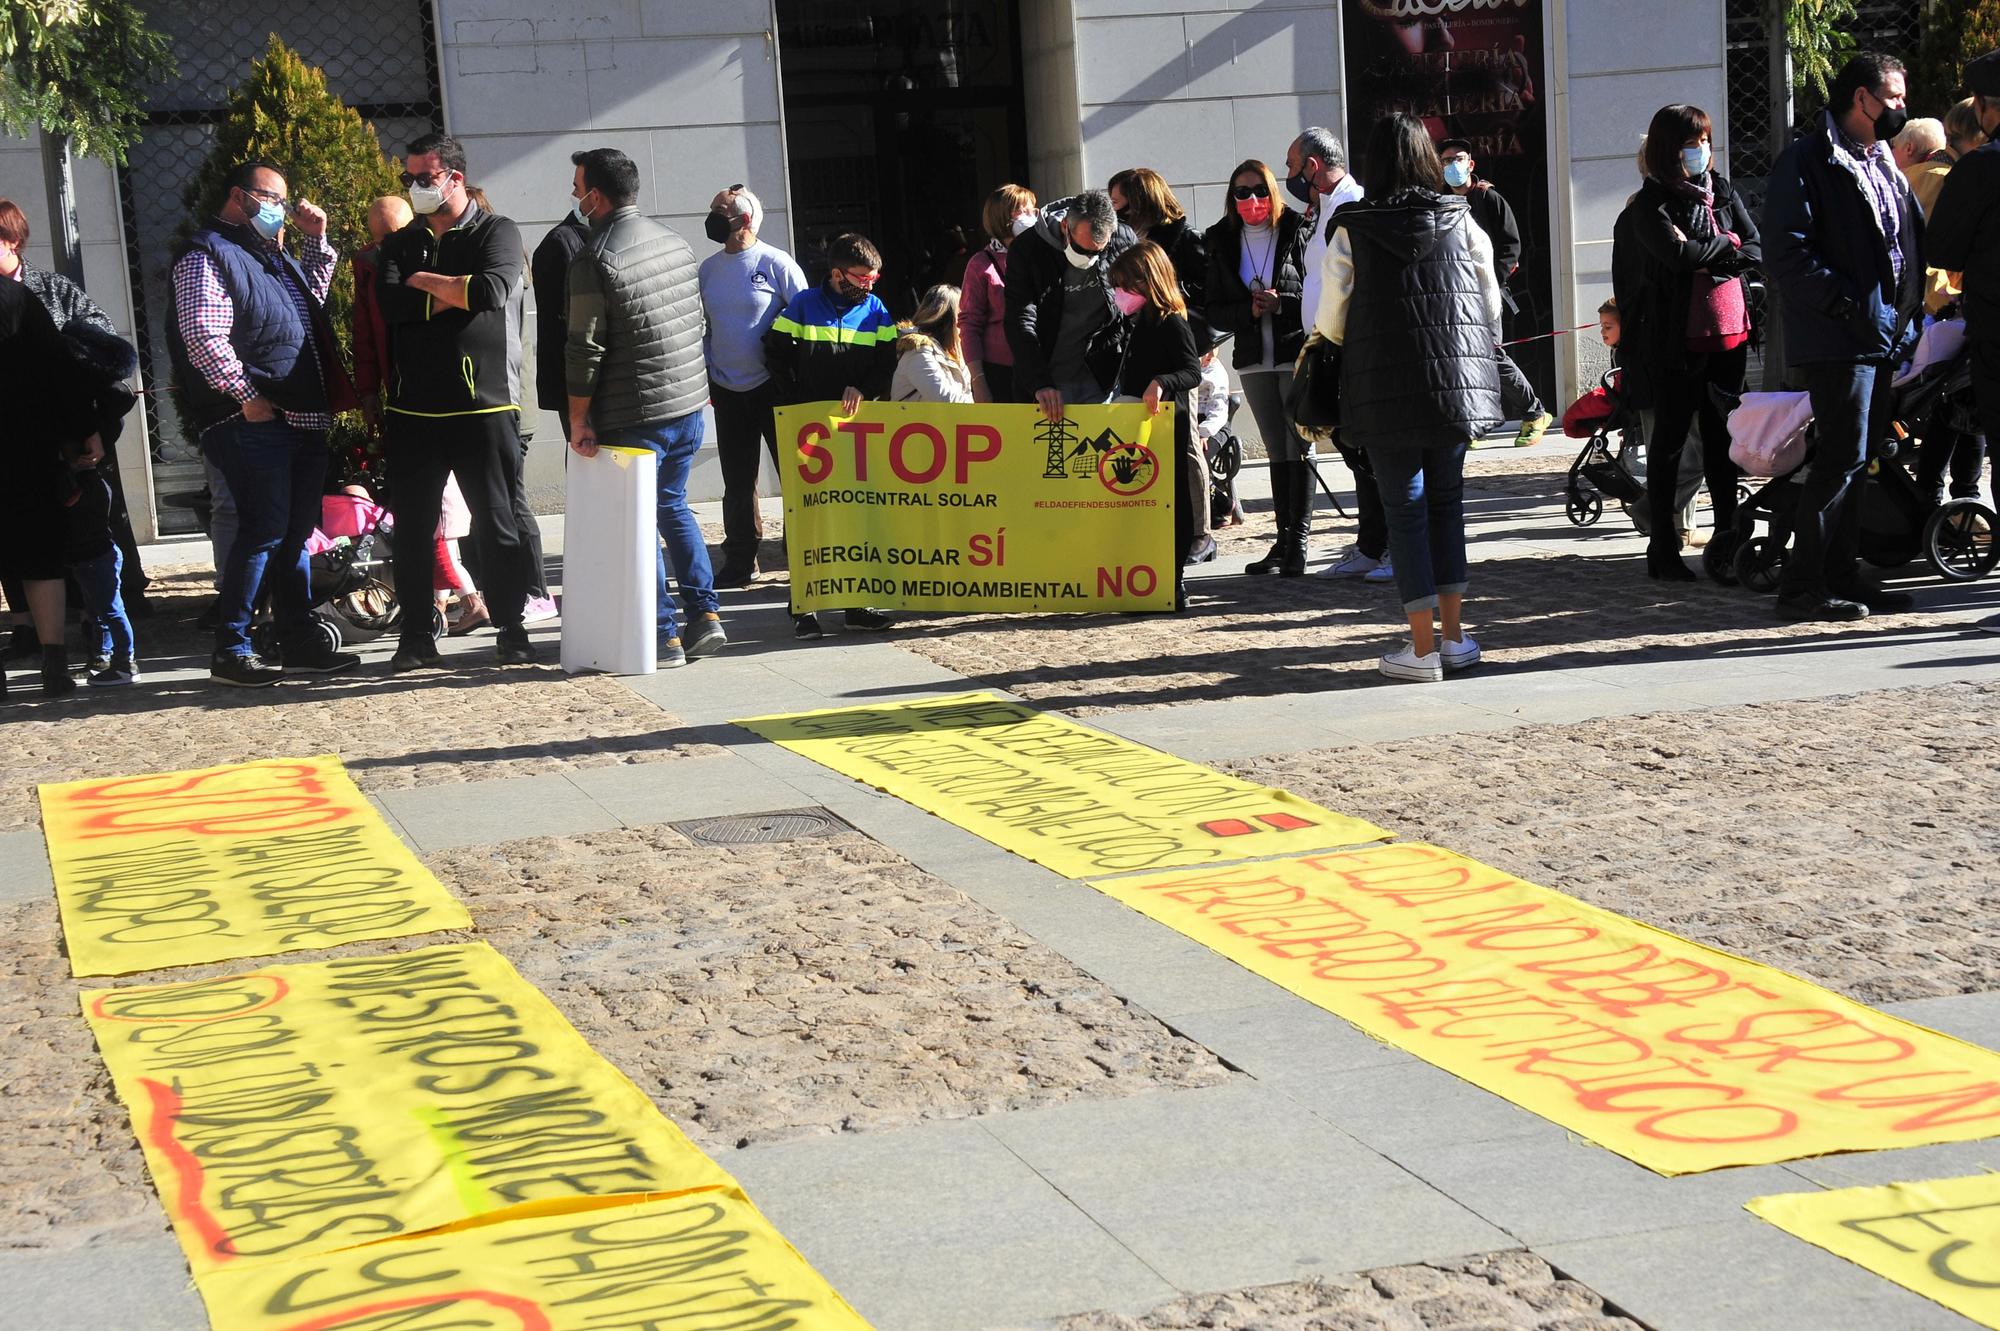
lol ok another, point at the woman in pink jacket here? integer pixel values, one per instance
(1009, 211)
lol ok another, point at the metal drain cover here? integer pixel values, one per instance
(755, 829)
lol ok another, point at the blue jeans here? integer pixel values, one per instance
(275, 474)
(674, 443)
(98, 579)
(1423, 497)
(1850, 402)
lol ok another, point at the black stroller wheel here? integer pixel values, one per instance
(326, 631)
(1584, 509)
(264, 639)
(1744, 494)
(439, 624)
(1758, 563)
(1959, 540)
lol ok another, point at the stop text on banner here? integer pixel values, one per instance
(1074, 799)
(988, 508)
(222, 863)
(1672, 1054)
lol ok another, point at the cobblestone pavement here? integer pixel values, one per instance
(1849, 839)
(756, 993)
(1504, 1291)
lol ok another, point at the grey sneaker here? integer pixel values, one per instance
(708, 637)
(669, 654)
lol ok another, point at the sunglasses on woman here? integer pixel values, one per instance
(1251, 192)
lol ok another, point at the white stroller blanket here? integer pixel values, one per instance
(1767, 432)
(1942, 341)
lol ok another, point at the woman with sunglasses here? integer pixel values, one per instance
(1256, 271)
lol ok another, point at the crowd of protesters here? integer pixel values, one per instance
(1393, 288)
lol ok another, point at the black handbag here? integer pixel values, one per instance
(1316, 388)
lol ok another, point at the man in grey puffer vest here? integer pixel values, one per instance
(636, 377)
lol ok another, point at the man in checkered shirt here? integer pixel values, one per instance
(259, 373)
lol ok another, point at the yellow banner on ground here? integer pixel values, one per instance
(935, 506)
(221, 863)
(1074, 799)
(1672, 1054)
(305, 1108)
(1938, 1239)
(706, 1260)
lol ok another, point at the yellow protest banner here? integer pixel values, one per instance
(933, 506)
(221, 863)
(708, 1259)
(1672, 1054)
(305, 1108)
(1074, 799)
(1938, 1239)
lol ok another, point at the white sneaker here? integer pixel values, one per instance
(538, 609)
(1459, 654)
(1384, 571)
(1405, 664)
(1353, 564)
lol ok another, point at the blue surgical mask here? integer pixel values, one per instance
(269, 220)
(576, 211)
(1695, 160)
(1457, 174)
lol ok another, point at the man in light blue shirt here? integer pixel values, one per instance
(743, 291)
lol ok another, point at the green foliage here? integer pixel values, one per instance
(1955, 32)
(283, 114)
(79, 68)
(1816, 31)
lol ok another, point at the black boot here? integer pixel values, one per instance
(1281, 510)
(1298, 524)
(56, 679)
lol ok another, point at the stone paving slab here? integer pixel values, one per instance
(24, 867)
(1741, 1274)
(1238, 1185)
(137, 1285)
(940, 1228)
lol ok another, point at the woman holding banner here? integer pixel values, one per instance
(1411, 297)
(1161, 365)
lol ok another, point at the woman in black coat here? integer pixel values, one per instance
(1412, 298)
(1256, 273)
(46, 429)
(1685, 231)
(1161, 366)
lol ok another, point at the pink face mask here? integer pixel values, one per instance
(1129, 302)
(1256, 212)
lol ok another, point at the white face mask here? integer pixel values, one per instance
(1077, 258)
(1022, 221)
(426, 199)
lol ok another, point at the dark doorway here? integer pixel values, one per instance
(900, 117)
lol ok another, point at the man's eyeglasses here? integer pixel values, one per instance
(1251, 192)
(427, 179)
(270, 196)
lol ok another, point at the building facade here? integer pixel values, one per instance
(895, 117)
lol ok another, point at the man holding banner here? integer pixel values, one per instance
(835, 342)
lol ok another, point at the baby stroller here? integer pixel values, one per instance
(350, 558)
(1897, 519)
(1598, 473)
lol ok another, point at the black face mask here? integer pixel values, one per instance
(1890, 123)
(717, 228)
(1300, 187)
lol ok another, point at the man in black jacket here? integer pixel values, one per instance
(453, 295)
(549, 270)
(1964, 238)
(1496, 219)
(1842, 241)
(1062, 325)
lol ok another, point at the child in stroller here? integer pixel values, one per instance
(1599, 471)
(350, 557)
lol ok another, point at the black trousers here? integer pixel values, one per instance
(1683, 403)
(1986, 394)
(741, 421)
(484, 451)
(1518, 400)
